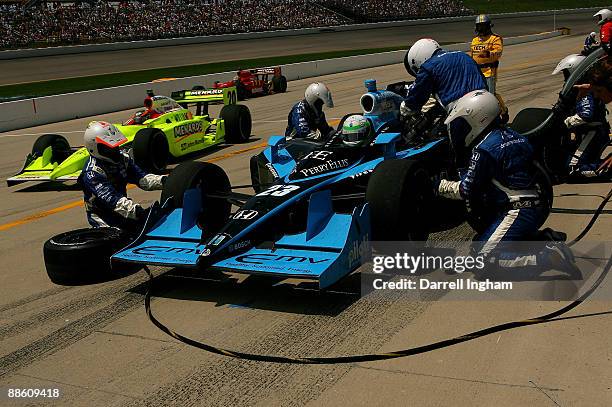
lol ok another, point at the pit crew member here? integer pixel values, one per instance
(105, 177)
(604, 20)
(445, 75)
(589, 123)
(486, 49)
(306, 119)
(500, 186)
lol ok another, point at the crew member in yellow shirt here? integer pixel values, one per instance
(486, 50)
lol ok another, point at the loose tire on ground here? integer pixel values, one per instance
(211, 179)
(60, 148)
(238, 123)
(82, 256)
(399, 194)
(151, 150)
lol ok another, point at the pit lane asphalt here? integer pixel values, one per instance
(67, 66)
(96, 345)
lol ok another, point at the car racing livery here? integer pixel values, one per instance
(316, 210)
(167, 128)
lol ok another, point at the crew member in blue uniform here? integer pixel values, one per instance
(105, 177)
(502, 187)
(306, 118)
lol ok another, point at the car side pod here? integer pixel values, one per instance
(174, 238)
(333, 246)
(388, 142)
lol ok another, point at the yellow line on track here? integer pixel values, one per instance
(77, 204)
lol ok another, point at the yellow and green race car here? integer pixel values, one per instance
(165, 128)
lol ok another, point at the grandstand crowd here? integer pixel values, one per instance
(48, 24)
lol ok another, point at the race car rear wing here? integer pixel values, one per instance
(276, 70)
(226, 96)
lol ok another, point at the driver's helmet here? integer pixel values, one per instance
(356, 130)
(603, 15)
(104, 140)
(568, 65)
(476, 111)
(160, 104)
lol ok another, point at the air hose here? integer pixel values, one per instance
(550, 317)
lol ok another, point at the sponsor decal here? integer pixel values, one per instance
(205, 252)
(186, 129)
(362, 173)
(185, 146)
(263, 257)
(239, 245)
(359, 252)
(245, 214)
(153, 250)
(206, 92)
(318, 155)
(272, 170)
(328, 166)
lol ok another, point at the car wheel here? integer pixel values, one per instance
(399, 194)
(82, 256)
(238, 123)
(528, 119)
(210, 179)
(60, 148)
(279, 84)
(150, 150)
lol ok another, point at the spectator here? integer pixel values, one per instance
(62, 24)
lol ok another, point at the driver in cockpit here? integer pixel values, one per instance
(356, 131)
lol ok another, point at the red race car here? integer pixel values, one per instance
(256, 82)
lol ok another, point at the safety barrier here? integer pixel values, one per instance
(50, 109)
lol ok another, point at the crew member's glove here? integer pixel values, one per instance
(406, 111)
(564, 104)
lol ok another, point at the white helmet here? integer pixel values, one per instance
(356, 129)
(478, 108)
(604, 15)
(569, 63)
(103, 141)
(420, 52)
(318, 91)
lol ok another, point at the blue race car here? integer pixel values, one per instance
(317, 206)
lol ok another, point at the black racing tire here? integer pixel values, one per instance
(238, 123)
(60, 147)
(283, 84)
(279, 84)
(151, 150)
(528, 119)
(211, 179)
(399, 194)
(82, 256)
(255, 179)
